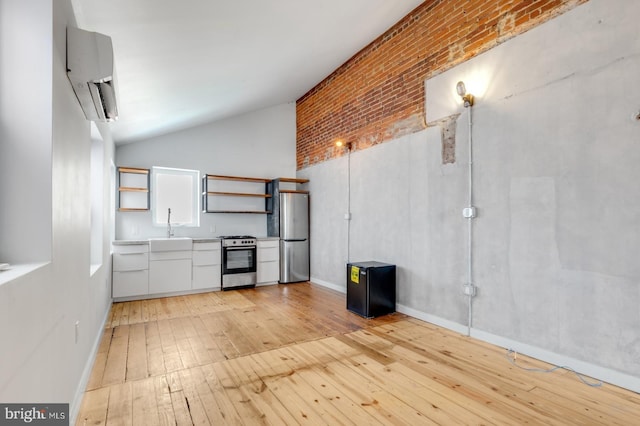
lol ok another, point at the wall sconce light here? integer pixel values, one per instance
(466, 97)
(341, 144)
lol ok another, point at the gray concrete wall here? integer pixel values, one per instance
(556, 170)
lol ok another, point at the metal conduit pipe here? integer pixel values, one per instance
(470, 211)
(471, 291)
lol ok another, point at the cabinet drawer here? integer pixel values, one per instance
(170, 255)
(132, 283)
(269, 243)
(268, 272)
(134, 261)
(131, 248)
(268, 254)
(207, 257)
(206, 246)
(206, 276)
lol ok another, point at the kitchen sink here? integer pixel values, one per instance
(170, 244)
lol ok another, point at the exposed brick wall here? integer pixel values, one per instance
(378, 94)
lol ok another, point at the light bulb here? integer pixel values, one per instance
(461, 89)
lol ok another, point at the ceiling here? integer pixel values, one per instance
(184, 63)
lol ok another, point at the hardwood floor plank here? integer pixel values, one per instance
(100, 363)
(310, 370)
(170, 351)
(238, 395)
(225, 405)
(187, 356)
(214, 325)
(120, 411)
(116, 310)
(164, 404)
(124, 313)
(181, 409)
(115, 370)
(197, 409)
(144, 408)
(401, 411)
(137, 353)
(155, 355)
(206, 348)
(443, 399)
(285, 391)
(195, 376)
(276, 412)
(94, 407)
(486, 388)
(135, 312)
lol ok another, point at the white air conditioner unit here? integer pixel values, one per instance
(91, 72)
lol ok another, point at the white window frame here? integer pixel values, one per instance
(185, 211)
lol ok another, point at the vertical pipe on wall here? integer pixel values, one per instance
(470, 284)
(349, 204)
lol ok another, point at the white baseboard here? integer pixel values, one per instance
(74, 407)
(327, 284)
(606, 375)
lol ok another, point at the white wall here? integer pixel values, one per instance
(25, 131)
(40, 359)
(556, 239)
(257, 144)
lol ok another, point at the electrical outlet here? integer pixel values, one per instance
(347, 216)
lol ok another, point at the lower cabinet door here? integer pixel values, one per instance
(130, 283)
(206, 276)
(168, 276)
(268, 272)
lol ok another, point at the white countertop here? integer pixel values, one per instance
(195, 240)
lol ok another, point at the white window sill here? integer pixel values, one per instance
(19, 270)
(95, 268)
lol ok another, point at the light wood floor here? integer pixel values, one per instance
(292, 354)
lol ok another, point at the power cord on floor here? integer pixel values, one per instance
(512, 355)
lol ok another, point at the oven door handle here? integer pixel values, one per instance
(240, 248)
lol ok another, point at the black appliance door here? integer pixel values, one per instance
(238, 260)
(357, 290)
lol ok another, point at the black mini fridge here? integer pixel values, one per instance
(371, 288)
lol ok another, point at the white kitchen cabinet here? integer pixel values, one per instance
(130, 270)
(206, 265)
(268, 253)
(169, 271)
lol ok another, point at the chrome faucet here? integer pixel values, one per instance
(169, 232)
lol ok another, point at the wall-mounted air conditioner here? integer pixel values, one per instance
(91, 72)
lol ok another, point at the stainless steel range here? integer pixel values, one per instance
(238, 261)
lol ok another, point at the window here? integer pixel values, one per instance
(175, 189)
(97, 202)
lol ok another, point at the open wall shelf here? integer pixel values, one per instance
(133, 189)
(234, 194)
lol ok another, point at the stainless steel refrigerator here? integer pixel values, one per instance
(290, 222)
